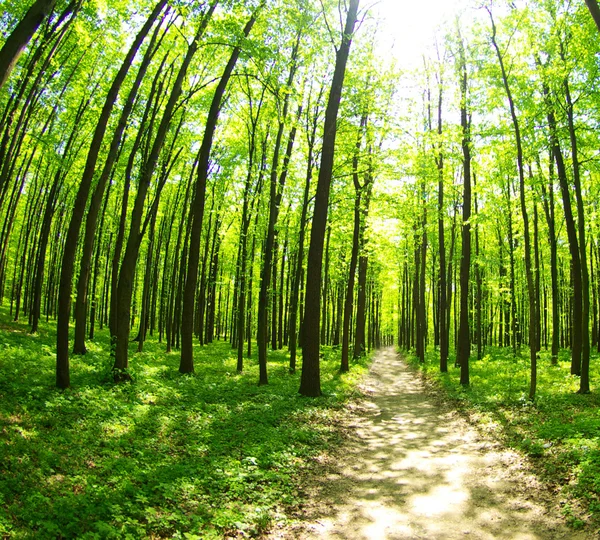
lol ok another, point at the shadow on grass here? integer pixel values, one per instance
(207, 454)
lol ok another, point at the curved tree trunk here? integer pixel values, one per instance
(19, 38)
(97, 197)
(71, 240)
(186, 364)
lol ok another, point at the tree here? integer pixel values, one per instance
(19, 38)
(71, 241)
(464, 341)
(186, 364)
(310, 384)
(526, 236)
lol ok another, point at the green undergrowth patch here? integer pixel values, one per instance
(559, 431)
(167, 455)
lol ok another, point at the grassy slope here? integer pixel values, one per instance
(560, 431)
(168, 455)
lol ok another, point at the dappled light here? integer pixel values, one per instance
(413, 469)
(216, 215)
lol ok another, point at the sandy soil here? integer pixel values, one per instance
(412, 470)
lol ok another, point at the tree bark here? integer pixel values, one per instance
(19, 38)
(310, 384)
(464, 343)
(71, 240)
(186, 364)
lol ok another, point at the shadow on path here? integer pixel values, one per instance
(413, 470)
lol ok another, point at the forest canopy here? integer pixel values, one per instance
(272, 171)
(300, 181)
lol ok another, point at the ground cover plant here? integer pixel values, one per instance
(559, 431)
(166, 455)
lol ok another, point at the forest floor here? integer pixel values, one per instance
(413, 468)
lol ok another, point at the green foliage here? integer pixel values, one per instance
(164, 456)
(560, 431)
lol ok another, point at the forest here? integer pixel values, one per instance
(214, 212)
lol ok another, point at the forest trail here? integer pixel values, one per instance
(412, 470)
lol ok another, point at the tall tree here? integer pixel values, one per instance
(310, 384)
(72, 236)
(186, 364)
(276, 185)
(526, 235)
(464, 340)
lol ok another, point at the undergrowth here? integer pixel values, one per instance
(559, 431)
(167, 455)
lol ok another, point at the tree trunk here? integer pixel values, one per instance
(576, 345)
(19, 38)
(358, 190)
(136, 231)
(310, 384)
(584, 337)
(97, 197)
(71, 240)
(464, 343)
(526, 237)
(186, 364)
(275, 193)
(295, 292)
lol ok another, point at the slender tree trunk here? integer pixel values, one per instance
(197, 212)
(310, 384)
(137, 229)
(96, 201)
(464, 343)
(576, 345)
(275, 194)
(526, 236)
(584, 381)
(296, 287)
(71, 240)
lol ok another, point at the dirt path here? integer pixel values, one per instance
(413, 470)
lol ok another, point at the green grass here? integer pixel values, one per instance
(164, 456)
(560, 431)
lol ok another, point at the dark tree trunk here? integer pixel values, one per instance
(310, 384)
(464, 343)
(72, 236)
(21, 35)
(186, 364)
(595, 11)
(576, 345)
(442, 298)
